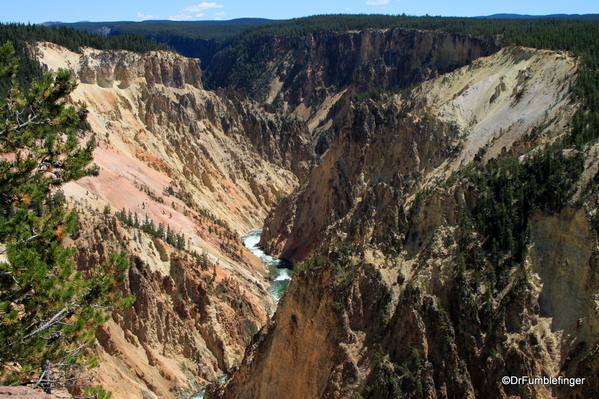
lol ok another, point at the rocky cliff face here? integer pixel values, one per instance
(384, 151)
(107, 69)
(316, 76)
(401, 296)
(191, 319)
(184, 174)
(309, 68)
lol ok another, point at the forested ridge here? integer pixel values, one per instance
(238, 37)
(162, 30)
(204, 39)
(577, 36)
(29, 69)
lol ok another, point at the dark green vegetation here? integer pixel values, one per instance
(48, 310)
(197, 39)
(550, 31)
(526, 16)
(73, 39)
(244, 40)
(148, 226)
(505, 193)
(164, 31)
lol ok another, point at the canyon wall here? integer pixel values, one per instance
(307, 69)
(315, 77)
(397, 293)
(386, 150)
(184, 173)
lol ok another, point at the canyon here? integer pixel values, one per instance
(364, 194)
(384, 310)
(196, 163)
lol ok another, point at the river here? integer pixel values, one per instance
(278, 269)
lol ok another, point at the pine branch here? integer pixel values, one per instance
(47, 325)
(30, 121)
(17, 294)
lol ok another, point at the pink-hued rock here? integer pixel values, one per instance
(186, 159)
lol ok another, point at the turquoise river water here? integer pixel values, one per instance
(279, 270)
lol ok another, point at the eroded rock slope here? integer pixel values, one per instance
(402, 292)
(184, 174)
(315, 77)
(384, 151)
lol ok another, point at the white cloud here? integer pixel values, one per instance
(196, 10)
(146, 17)
(377, 2)
(180, 17)
(203, 6)
(220, 14)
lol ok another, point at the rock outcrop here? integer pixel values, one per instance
(191, 319)
(309, 68)
(384, 151)
(22, 393)
(119, 68)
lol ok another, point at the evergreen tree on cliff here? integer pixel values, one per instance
(48, 310)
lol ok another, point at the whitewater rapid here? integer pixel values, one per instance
(278, 271)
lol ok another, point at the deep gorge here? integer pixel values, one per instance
(395, 292)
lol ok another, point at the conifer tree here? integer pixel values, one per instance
(48, 310)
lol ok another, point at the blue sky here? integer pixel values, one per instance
(37, 11)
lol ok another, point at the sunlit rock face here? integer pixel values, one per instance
(315, 77)
(386, 150)
(204, 168)
(391, 311)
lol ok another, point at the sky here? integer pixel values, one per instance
(38, 11)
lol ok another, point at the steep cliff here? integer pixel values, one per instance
(183, 174)
(420, 281)
(384, 151)
(314, 77)
(191, 319)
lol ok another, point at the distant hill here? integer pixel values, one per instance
(203, 39)
(193, 29)
(559, 16)
(197, 39)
